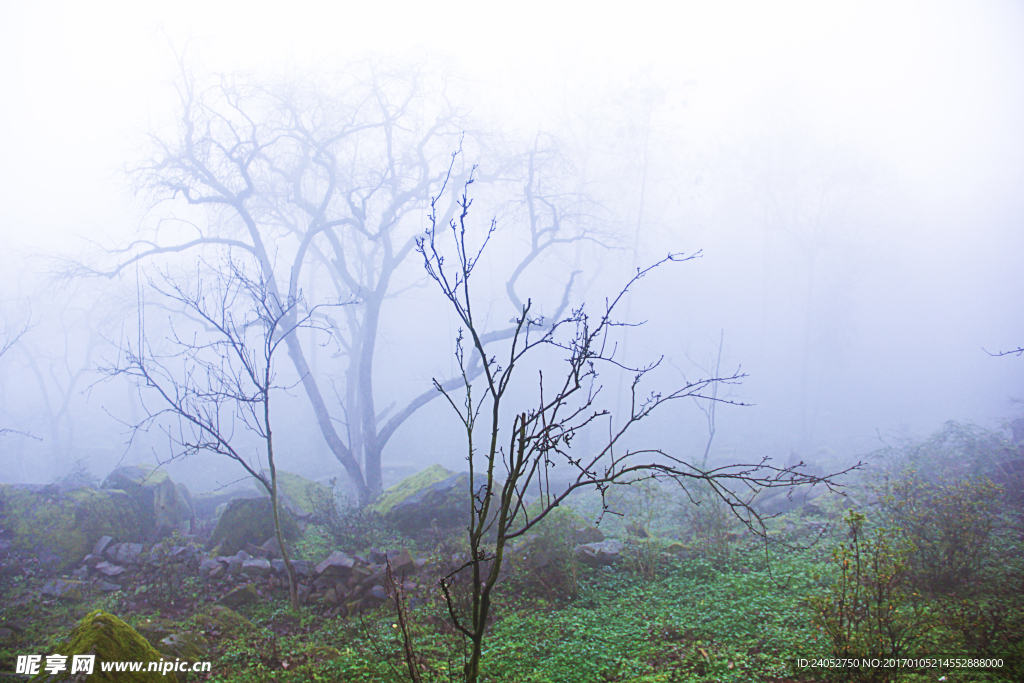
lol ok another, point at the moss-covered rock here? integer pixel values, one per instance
(183, 645)
(159, 505)
(431, 502)
(302, 496)
(243, 595)
(408, 487)
(109, 639)
(60, 527)
(250, 520)
(224, 620)
(154, 629)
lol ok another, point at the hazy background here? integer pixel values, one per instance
(853, 172)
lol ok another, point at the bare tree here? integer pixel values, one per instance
(334, 183)
(514, 442)
(221, 378)
(10, 339)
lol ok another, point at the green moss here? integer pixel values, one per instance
(110, 639)
(184, 645)
(300, 493)
(410, 486)
(60, 528)
(249, 520)
(224, 620)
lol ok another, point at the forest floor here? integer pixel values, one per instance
(723, 616)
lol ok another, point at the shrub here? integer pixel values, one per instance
(545, 561)
(869, 611)
(352, 529)
(949, 524)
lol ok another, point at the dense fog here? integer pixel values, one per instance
(851, 174)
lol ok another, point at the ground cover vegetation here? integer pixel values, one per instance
(894, 576)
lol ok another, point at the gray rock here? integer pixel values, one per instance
(210, 564)
(155, 496)
(101, 545)
(128, 553)
(70, 591)
(443, 502)
(603, 554)
(108, 569)
(338, 563)
(377, 593)
(243, 595)
(106, 586)
(256, 567)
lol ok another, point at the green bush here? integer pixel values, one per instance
(544, 562)
(949, 524)
(870, 610)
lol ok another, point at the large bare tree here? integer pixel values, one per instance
(332, 185)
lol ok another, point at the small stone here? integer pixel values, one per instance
(272, 547)
(337, 563)
(257, 551)
(108, 569)
(208, 565)
(106, 586)
(377, 593)
(256, 567)
(128, 553)
(180, 553)
(101, 545)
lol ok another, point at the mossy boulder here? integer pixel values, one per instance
(433, 497)
(153, 629)
(408, 487)
(59, 526)
(162, 506)
(243, 595)
(223, 620)
(184, 645)
(300, 495)
(109, 639)
(250, 520)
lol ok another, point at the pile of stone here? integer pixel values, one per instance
(343, 584)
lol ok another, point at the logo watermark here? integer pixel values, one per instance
(31, 665)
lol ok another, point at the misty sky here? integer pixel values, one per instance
(918, 104)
